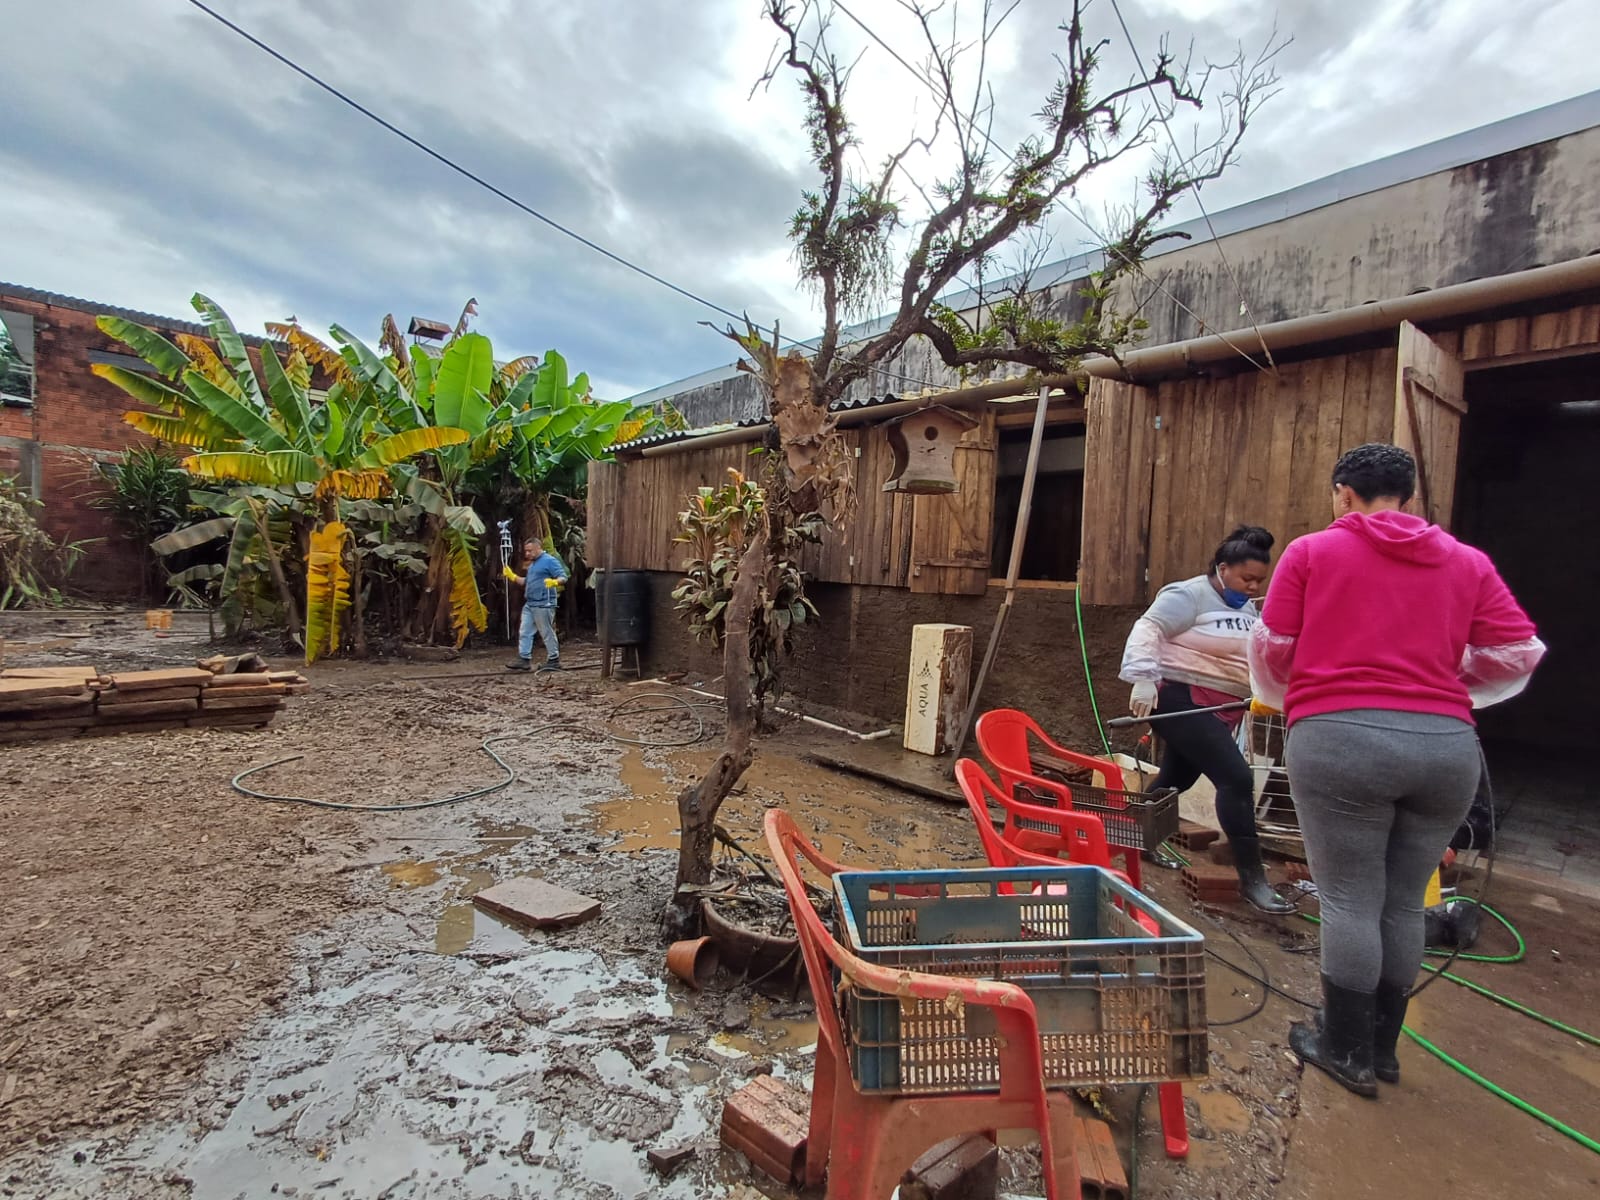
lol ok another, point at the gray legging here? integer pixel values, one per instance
(1379, 794)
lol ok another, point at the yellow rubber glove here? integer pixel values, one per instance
(509, 574)
(1260, 709)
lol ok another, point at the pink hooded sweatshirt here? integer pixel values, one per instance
(1385, 611)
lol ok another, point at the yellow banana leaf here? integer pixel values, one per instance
(467, 612)
(195, 429)
(208, 364)
(327, 589)
(317, 352)
(518, 367)
(354, 485)
(271, 468)
(398, 447)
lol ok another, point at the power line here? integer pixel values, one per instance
(1195, 185)
(1103, 243)
(502, 194)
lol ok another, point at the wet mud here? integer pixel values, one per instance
(219, 997)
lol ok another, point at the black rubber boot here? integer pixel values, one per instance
(519, 664)
(1390, 1015)
(1253, 885)
(550, 664)
(1341, 1045)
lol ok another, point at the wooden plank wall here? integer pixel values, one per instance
(1119, 460)
(873, 547)
(1249, 448)
(1574, 330)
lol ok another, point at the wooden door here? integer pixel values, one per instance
(951, 534)
(1430, 400)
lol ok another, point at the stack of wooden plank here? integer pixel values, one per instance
(52, 702)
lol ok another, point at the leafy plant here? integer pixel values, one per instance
(32, 564)
(146, 492)
(718, 526)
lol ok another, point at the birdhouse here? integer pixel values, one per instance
(924, 445)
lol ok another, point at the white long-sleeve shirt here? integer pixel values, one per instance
(1188, 635)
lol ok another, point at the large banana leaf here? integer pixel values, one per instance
(327, 589)
(195, 429)
(232, 347)
(465, 375)
(394, 398)
(192, 536)
(397, 447)
(288, 397)
(551, 389)
(245, 536)
(423, 371)
(272, 469)
(316, 351)
(467, 612)
(203, 358)
(141, 387)
(249, 424)
(147, 344)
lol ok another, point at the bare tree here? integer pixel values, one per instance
(844, 246)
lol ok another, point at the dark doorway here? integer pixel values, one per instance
(1055, 528)
(1528, 495)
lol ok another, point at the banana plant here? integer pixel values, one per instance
(267, 432)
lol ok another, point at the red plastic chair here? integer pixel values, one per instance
(1003, 735)
(979, 789)
(864, 1142)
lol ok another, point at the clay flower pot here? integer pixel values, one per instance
(693, 961)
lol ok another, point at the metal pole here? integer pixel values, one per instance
(505, 561)
(1019, 538)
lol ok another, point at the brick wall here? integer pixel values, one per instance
(856, 659)
(76, 416)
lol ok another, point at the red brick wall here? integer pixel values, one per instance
(75, 416)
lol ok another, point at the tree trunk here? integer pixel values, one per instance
(358, 606)
(291, 610)
(698, 803)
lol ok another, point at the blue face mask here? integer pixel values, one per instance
(1230, 597)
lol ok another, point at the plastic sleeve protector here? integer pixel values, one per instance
(1141, 657)
(1496, 673)
(1271, 661)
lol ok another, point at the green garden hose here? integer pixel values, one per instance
(1515, 1101)
(1088, 679)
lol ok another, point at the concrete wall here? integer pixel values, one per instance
(1527, 207)
(856, 659)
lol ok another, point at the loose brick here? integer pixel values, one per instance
(766, 1121)
(962, 1168)
(537, 903)
(1210, 883)
(1195, 837)
(1100, 1173)
(1221, 853)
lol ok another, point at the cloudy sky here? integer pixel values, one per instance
(147, 152)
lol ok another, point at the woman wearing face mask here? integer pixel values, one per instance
(1189, 651)
(1381, 635)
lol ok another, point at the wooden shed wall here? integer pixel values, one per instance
(937, 543)
(1171, 468)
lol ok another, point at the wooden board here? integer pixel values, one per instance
(214, 703)
(151, 708)
(1429, 402)
(937, 686)
(242, 679)
(63, 673)
(115, 697)
(174, 677)
(20, 692)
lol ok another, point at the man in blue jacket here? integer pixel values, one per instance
(541, 593)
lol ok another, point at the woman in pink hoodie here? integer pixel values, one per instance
(1378, 638)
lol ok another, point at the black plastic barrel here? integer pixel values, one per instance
(629, 603)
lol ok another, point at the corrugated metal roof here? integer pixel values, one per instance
(59, 300)
(680, 435)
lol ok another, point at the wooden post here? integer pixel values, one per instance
(1019, 538)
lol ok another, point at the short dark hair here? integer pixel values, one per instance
(1248, 543)
(1375, 470)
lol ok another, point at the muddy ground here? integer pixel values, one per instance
(209, 995)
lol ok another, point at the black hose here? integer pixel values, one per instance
(487, 746)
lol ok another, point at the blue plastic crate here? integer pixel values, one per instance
(1118, 982)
